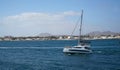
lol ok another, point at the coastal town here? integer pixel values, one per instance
(58, 37)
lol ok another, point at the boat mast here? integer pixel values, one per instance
(80, 28)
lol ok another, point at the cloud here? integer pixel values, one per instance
(71, 13)
(32, 23)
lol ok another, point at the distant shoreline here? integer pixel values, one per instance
(63, 39)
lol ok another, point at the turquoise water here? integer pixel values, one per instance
(48, 55)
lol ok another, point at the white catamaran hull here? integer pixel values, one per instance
(77, 50)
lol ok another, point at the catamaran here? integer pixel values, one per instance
(81, 47)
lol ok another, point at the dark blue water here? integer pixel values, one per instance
(48, 55)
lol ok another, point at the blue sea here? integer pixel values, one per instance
(48, 55)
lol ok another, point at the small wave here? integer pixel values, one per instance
(99, 51)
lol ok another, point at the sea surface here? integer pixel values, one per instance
(48, 55)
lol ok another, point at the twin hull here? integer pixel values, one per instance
(76, 50)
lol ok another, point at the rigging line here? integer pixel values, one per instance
(75, 26)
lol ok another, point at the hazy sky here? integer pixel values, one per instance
(58, 17)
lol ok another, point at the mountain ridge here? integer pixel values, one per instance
(98, 33)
